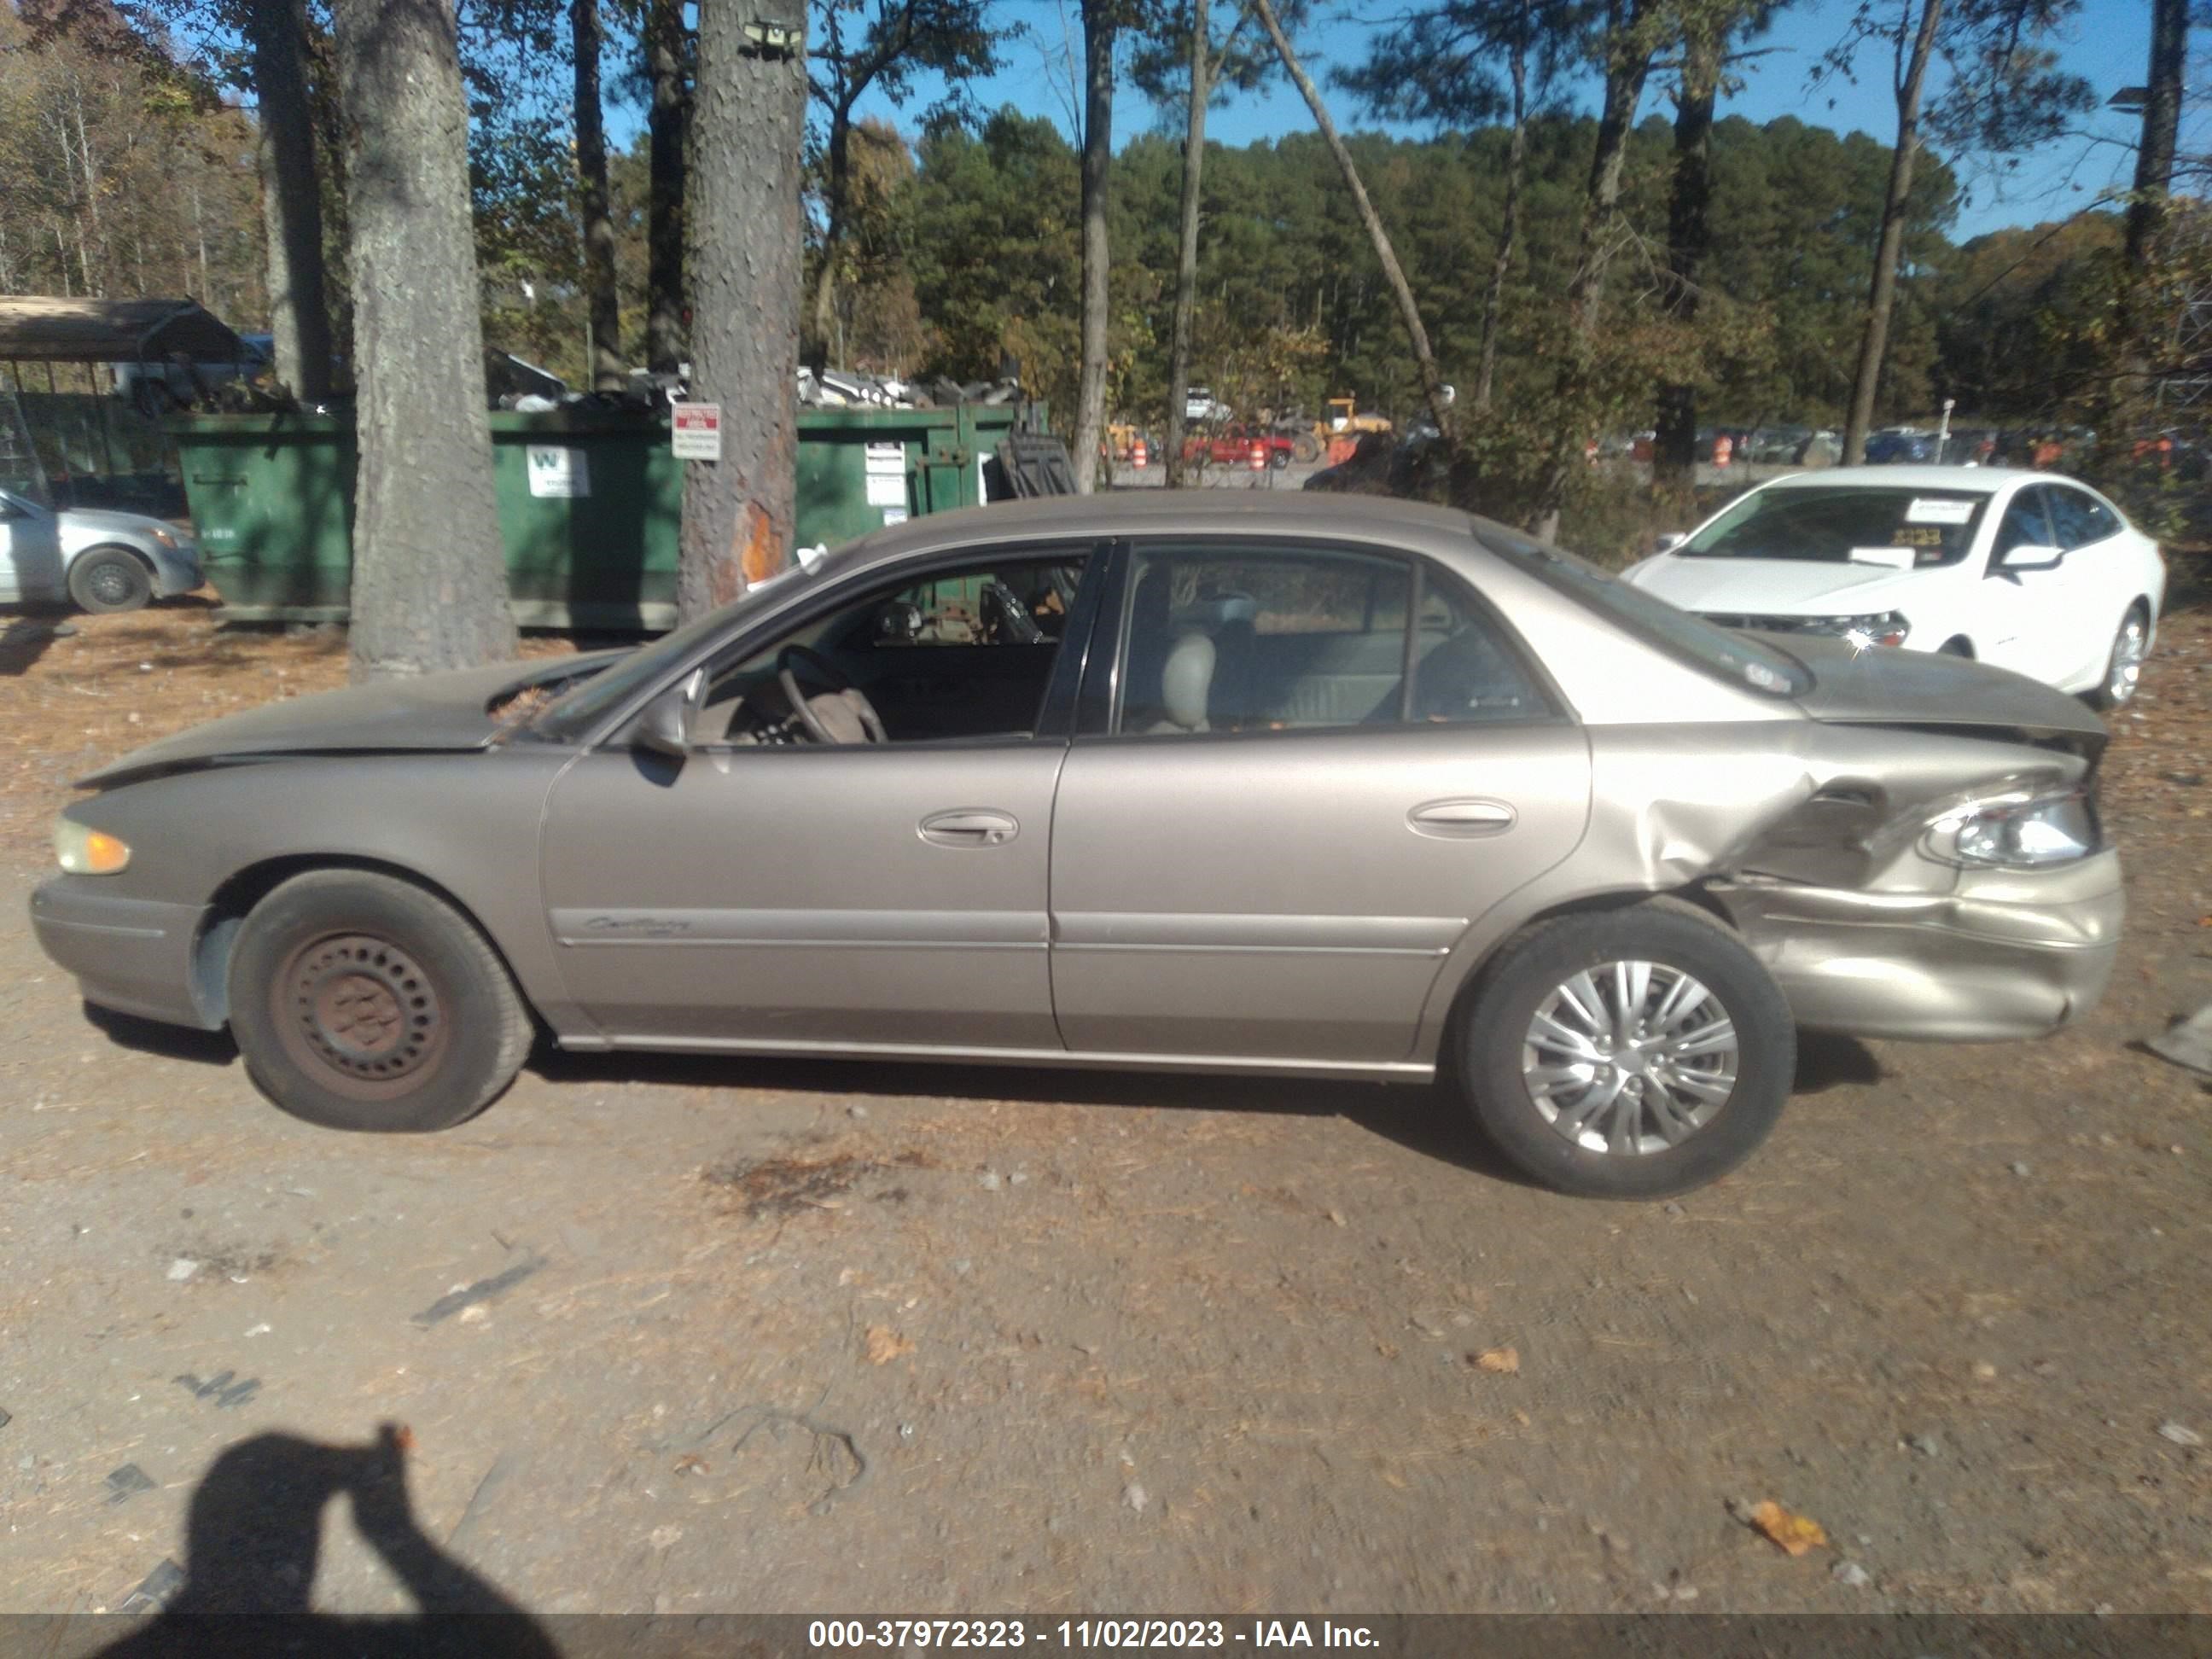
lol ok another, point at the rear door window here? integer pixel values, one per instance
(2076, 519)
(1249, 637)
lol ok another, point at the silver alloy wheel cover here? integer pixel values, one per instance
(1629, 1057)
(2128, 654)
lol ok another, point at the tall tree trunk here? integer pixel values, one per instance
(602, 301)
(1628, 63)
(430, 578)
(1881, 298)
(1099, 29)
(1509, 229)
(1424, 359)
(748, 116)
(2161, 129)
(1186, 295)
(840, 184)
(667, 117)
(1688, 235)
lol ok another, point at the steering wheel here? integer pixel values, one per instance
(837, 682)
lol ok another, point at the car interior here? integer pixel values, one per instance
(965, 654)
(1216, 640)
(1239, 642)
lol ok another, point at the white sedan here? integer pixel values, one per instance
(2027, 570)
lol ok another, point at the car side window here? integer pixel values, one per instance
(1249, 637)
(967, 654)
(2024, 525)
(2077, 519)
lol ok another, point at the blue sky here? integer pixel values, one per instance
(2108, 43)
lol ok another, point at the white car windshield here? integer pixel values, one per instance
(1824, 524)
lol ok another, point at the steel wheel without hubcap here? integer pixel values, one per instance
(2129, 645)
(1630, 1058)
(359, 1015)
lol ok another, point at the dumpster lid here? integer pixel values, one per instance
(46, 328)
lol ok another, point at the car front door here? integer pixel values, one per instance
(772, 894)
(1271, 840)
(2093, 591)
(2022, 608)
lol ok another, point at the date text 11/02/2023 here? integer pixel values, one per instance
(899, 1634)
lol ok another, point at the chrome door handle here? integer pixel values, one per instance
(1461, 820)
(969, 826)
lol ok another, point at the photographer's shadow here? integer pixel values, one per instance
(252, 1537)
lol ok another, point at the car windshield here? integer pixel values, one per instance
(1733, 657)
(1828, 524)
(571, 716)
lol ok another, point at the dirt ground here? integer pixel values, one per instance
(681, 1336)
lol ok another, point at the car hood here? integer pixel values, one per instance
(450, 711)
(1784, 587)
(1928, 689)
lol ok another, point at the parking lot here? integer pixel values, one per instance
(683, 1336)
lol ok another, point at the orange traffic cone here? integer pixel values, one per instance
(1138, 457)
(1258, 458)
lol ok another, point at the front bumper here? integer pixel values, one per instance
(132, 955)
(2003, 955)
(178, 572)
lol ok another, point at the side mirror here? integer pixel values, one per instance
(1669, 541)
(666, 724)
(2030, 557)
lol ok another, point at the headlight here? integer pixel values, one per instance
(1885, 627)
(2018, 832)
(85, 850)
(166, 538)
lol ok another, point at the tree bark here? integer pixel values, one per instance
(602, 301)
(291, 198)
(1628, 63)
(667, 117)
(1099, 29)
(1509, 229)
(430, 577)
(1882, 297)
(1186, 296)
(745, 258)
(1689, 233)
(2162, 130)
(1424, 359)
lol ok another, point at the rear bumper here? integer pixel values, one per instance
(2004, 955)
(131, 955)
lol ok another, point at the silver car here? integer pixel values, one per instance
(96, 560)
(1198, 781)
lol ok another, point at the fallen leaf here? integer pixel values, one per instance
(1795, 1533)
(885, 1344)
(1505, 1362)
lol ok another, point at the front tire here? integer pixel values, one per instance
(105, 580)
(1627, 1054)
(362, 1002)
(2124, 664)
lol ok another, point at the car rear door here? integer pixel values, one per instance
(788, 898)
(1266, 840)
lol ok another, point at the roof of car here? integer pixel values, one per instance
(1152, 512)
(1974, 480)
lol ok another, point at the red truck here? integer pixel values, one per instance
(1231, 445)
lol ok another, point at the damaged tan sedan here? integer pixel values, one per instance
(1199, 781)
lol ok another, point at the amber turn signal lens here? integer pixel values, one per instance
(84, 850)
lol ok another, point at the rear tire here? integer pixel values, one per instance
(362, 1002)
(1279, 458)
(105, 580)
(1627, 1114)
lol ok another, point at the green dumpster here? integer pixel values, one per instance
(589, 501)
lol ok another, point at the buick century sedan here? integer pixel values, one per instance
(1178, 781)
